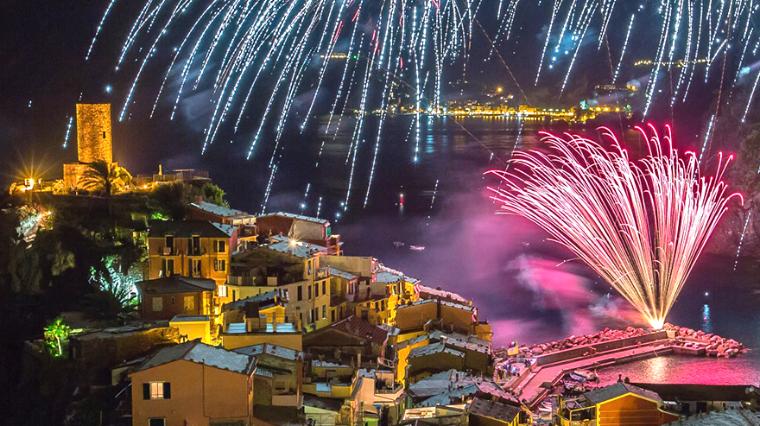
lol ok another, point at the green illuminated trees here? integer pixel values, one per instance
(56, 333)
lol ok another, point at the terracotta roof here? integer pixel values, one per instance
(359, 327)
(175, 284)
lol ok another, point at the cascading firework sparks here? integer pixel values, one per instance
(640, 225)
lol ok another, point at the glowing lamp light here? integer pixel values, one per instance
(293, 243)
(29, 183)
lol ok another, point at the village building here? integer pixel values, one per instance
(279, 377)
(292, 267)
(351, 341)
(620, 403)
(195, 249)
(193, 383)
(164, 298)
(307, 229)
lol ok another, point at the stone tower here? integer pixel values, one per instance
(94, 133)
(93, 141)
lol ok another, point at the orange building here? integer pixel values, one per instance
(193, 384)
(618, 404)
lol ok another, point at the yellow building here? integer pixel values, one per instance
(193, 327)
(193, 384)
(194, 249)
(294, 269)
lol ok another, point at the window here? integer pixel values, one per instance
(157, 422)
(332, 316)
(158, 304)
(222, 291)
(316, 290)
(170, 243)
(104, 135)
(189, 303)
(300, 293)
(234, 297)
(308, 267)
(220, 265)
(309, 288)
(221, 246)
(324, 311)
(195, 245)
(324, 287)
(167, 267)
(195, 267)
(157, 390)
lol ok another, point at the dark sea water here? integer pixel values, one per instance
(504, 263)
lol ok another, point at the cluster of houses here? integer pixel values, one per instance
(264, 320)
(271, 323)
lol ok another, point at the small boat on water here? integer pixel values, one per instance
(417, 248)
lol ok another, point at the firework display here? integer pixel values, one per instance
(359, 58)
(640, 225)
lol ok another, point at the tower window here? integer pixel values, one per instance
(104, 135)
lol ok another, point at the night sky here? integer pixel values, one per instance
(43, 48)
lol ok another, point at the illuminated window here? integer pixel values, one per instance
(222, 291)
(158, 304)
(220, 265)
(157, 390)
(189, 303)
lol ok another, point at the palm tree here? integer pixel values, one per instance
(103, 177)
(106, 178)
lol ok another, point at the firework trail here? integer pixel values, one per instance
(277, 50)
(267, 65)
(640, 225)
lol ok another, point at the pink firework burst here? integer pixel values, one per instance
(641, 225)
